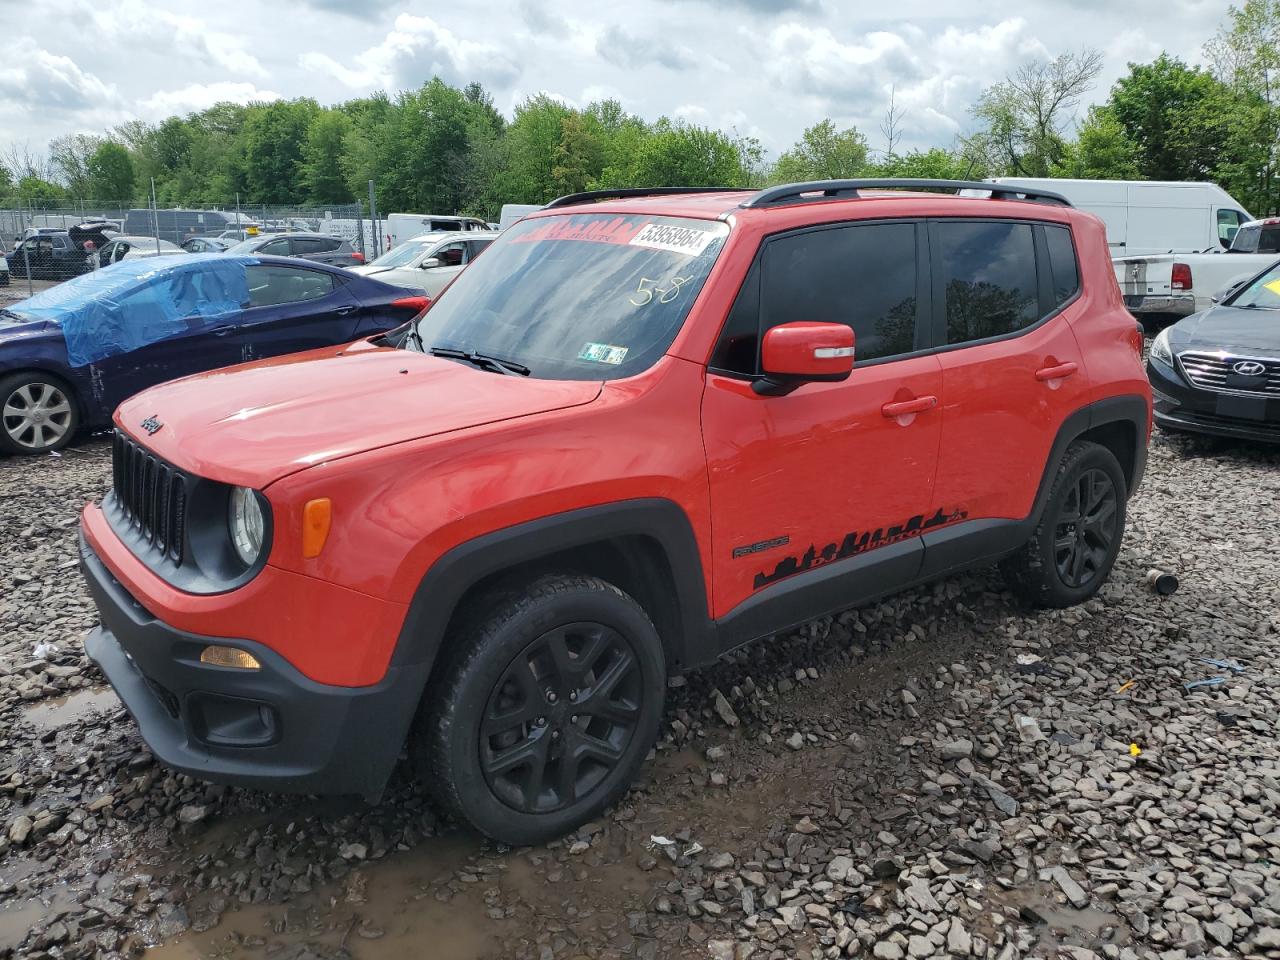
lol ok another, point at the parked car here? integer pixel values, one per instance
(1218, 372)
(400, 227)
(70, 354)
(178, 225)
(1178, 285)
(630, 438)
(428, 262)
(4, 271)
(117, 248)
(54, 256)
(207, 245)
(308, 246)
(1151, 216)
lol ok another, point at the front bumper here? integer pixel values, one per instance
(1179, 406)
(272, 728)
(1177, 305)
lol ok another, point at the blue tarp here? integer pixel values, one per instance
(136, 302)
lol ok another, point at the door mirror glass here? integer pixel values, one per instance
(430, 263)
(803, 351)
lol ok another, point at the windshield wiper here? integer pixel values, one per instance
(482, 360)
(15, 316)
(413, 334)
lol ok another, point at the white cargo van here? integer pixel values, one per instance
(513, 212)
(1151, 216)
(399, 227)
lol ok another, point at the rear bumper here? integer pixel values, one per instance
(1178, 304)
(272, 728)
(1179, 406)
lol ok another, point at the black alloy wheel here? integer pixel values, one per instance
(560, 718)
(1086, 528)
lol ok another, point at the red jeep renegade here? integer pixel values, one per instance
(645, 428)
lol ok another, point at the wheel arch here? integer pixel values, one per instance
(646, 548)
(1118, 423)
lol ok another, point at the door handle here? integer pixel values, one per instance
(222, 331)
(1059, 372)
(343, 311)
(904, 408)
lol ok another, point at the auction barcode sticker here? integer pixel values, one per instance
(663, 236)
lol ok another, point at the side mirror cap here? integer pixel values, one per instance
(429, 263)
(803, 352)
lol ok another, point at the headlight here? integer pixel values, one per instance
(246, 522)
(1160, 349)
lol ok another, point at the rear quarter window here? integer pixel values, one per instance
(1062, 263)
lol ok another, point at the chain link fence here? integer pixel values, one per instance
(21, 217)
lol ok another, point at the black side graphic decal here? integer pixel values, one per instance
(855, 543)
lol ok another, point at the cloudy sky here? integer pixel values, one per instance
(765, 67)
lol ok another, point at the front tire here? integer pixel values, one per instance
(545, 712)
(38, 414)
(1077, 540)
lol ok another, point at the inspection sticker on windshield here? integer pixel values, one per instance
(1273, 286)
(602, 353)
(664, 236)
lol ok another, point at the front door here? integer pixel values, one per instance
(1012, 371)
(810, 488)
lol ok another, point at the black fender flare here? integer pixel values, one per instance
(1131, 409)
(658, 520)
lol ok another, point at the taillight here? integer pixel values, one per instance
(1181, 278)
(416, 304)
(357, 256)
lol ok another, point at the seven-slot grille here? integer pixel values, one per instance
(1210, 370)
(152, 496)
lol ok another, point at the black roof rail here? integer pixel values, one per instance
(849, 189)
(595, 196)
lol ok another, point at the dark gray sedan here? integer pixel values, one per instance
(308, 246)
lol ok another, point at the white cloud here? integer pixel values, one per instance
(200, 96)
(129, 24)
(414, 51)
(32, 76)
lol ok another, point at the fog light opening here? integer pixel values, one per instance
(219, 656)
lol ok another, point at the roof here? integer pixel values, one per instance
(973, 197)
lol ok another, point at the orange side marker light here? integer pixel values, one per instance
(316, 516)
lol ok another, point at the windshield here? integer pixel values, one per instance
(1261, 293)
(402, 255)
(245, 247)
(583, 297)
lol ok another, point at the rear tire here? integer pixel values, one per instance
(1075, 544)
(545, 711)
(38, 414)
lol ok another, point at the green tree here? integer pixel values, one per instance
(932, 164)
(1024, 117)
(70, 158)
(532, 142)
(684, 155)
(271, 143)
(111, 175)
(1102, 150)
(6, 180)
(823, 153)
(579, 155)
(322, 174)
(1167, 111)
(41, 193)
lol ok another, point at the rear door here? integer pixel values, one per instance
(293, 308)
(830, 475)
(1012, 371)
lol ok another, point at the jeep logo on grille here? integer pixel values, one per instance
(1249, 368)
(151, 424)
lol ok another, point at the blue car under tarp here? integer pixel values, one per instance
(134, 303)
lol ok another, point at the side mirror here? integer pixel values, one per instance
(803, 352)
(1227, 291)
(430, 262)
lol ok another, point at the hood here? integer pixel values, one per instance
(252, 424)
(29, 328)
(1230, 329)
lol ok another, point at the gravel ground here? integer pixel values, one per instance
(941, 774)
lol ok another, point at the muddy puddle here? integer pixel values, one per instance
(74, 708)
(19, 916)
(454, 895)
(1064, 924)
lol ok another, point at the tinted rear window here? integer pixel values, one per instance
(1062, 259)
(989, 273)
